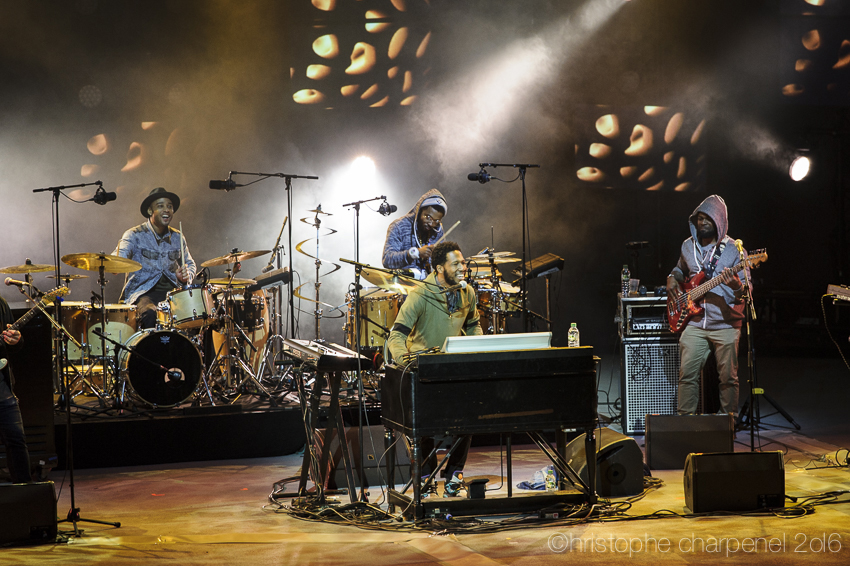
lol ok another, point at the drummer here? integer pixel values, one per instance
(157, 247)
(411, 238)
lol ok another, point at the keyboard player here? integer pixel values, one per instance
(433, 312)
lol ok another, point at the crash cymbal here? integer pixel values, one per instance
(495, 255)
(484, 260)
(235, 282)
(390, 281)
(319, 211)
(93, 262)
(234, 257)
(68, 276)
(28, 267)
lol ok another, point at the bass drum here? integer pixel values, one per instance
(148, 381)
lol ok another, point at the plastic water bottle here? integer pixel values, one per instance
(550, 480)
(624, 281)
(572, 336)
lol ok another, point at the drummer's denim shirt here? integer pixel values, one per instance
(158, 257)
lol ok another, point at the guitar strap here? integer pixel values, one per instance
(718, 251)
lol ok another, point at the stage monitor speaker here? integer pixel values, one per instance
(735, 481)
(619, 463)
(27, 513)
(374, 461)
(670, 438)
(649, 380)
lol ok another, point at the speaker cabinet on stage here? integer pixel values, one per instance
(649, 380)
(619, 463)
(374, 461)
(736, 481)
(670, 438)
(27, 513)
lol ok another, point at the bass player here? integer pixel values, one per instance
(717, 327)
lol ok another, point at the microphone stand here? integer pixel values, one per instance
(74, 513)
(288, 180)
(523, 167)
(361, 394)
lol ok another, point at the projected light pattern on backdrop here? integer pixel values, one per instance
(654, 148)
(368, 53)
(815, 52)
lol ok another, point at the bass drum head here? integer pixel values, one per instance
(149, 381)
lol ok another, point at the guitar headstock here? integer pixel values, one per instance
(54, 293)
(755, 257)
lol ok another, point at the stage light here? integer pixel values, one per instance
(800, 167)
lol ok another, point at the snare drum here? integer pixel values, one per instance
(81, 321)
(149, 382)
(191, 307)
(509, 301)
(378, 308)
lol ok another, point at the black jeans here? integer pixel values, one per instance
(12, 435)
(146, 308)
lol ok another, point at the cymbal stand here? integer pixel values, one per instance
(74, 513)
(273, 345)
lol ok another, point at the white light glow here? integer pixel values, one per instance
(800, 167)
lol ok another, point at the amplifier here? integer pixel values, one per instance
(649, 380)
(643, 316)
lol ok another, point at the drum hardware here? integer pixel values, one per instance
(317, 224)
(229, 357)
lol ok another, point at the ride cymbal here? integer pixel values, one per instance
(234, 257)
(93, 262)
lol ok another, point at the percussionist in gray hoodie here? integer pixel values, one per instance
(718, 327)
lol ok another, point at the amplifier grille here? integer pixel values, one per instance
(650, 375)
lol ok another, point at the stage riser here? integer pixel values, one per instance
(165, 440)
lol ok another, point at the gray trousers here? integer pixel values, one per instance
(695, 344)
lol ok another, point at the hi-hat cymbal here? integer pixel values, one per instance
(93, 262)
(68, 276)
(496, 255)
(389, 281)
(234, 257)
(235, 282)
(28, 267)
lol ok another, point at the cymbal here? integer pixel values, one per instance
(496, 255)
(93, 262)
(479, 260)
(68, 276)
(389, 281)
(235, 282)
(28, 267)
(320, 211)
(234, 257)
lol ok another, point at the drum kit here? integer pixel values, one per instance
(209, 340)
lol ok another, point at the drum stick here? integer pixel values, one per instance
(449, 231)
(182, 246)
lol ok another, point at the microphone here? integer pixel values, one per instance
(482, 176)
(386, 208)
(174, 375)
(461, 285)
(268, 268)
(226, 185)
(16, 283)
(738, 244)
(102, 197)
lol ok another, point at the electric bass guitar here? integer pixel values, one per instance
(42, 302)
(681, 310)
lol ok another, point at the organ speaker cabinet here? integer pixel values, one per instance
(649, 380)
